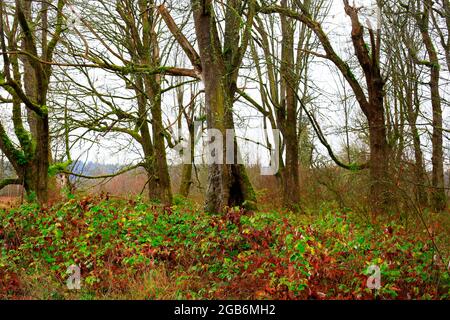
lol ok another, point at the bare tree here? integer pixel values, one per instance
(129, 32)
(421, 11)
(218, 62)
(281, 74)
(370, 95)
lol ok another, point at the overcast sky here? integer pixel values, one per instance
(324, 79)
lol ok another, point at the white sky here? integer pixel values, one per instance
(331, 116)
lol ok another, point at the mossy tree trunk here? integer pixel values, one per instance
(371, 103)
(142, 46)
(423, 18)
(228, 184)
(186, 174)
(150, 56)
(32, 157)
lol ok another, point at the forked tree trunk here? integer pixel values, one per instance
(143, 48)
(373, 107)
(228, 184)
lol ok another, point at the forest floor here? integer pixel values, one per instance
(128, 249)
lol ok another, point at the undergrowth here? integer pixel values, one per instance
(135, 250)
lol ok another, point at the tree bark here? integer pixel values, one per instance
(371, 105)
(287, 116)
(144, 50)
(419, 168)
(36, 178)
(186, 175)
(162, 178)
(228, 184)
(379, 165)
(31, 159)
(439, 199)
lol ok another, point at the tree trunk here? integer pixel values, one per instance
(158, 189)
(438, 193)
(36, 173)
(143, 47)
(287, 116)
(379, 165)
(152, 83)
(42, 160)
(380, 180)
(228, 184)
(186, 175)
(162, 180)
(373, 108)
(419, 168)
(146, 142)
(421, 194)
(290, 172)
